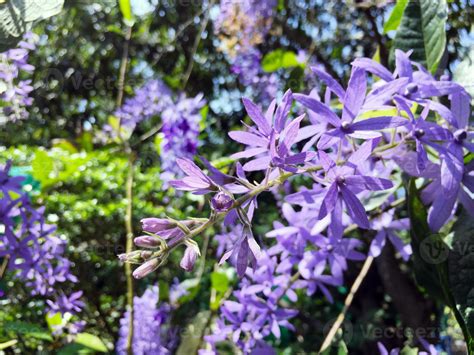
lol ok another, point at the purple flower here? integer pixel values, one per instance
(386, 227)
(180, 121)
(16, 94)
(421, 131)
(345, 183)
(221, 202)
(149, 100)
(36, 254)
(195, 180)
(152, 333)
(419, 84)
(65, 304)
(270, 141)
(246, 251)
(314, 279)
(443, 205)
(353, 100)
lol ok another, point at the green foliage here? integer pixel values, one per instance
(91, 341)
(461, 273)
(395, 17)
(421, 236)
(338, 349)
(16, 17)
(191, 338)
(431, 253)
(464, 72)
(422, 29)
(27, 329)
(220, 285)
(126, 9)
(279, 59)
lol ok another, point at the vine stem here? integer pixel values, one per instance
(347, 303)
(128, 248)
(4, 265)
(128, 187)
(123, 67)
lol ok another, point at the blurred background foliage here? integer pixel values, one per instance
(81, 179)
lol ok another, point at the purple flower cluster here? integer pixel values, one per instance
(149, 100)
(14, 91)
(151, 331)
(180, 121)
(35, 255)
(241, 27)
(350, 152)
(255, 313)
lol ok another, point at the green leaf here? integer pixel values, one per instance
(219, 281)
(422, 29)
(85, 140)
(126, 9)
(220, 284)
(65, 145)
(91, 341)
(27, 329)
(279, 59)
(423, 241)
(17, 16)
(395, 17)
(191, 337)
(464, 72)
(407, 350)
(53, 320)
(444, 272)
(461, 274)
(74, 349)
(42, 166)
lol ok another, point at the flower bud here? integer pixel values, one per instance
(155, 225)
(146, 268)
(190, 256)
(147, 241)
(132, 257)
(146, 254)
(221, 202)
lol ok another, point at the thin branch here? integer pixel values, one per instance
(123, 67)
(205, 21)
(129, 189)
(3, 268)
(347, 303)
(128, 248)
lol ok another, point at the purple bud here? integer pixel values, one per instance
(154, 225)
(133, 256)
(189, 258)
(445, 77)
(221, 202)
(146, 268)
(147, 241)
(146, 254)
